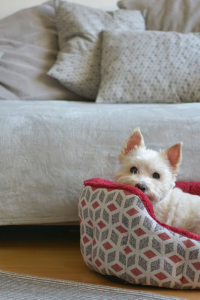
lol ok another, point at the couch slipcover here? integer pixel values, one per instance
(120, 236)
(48, 148)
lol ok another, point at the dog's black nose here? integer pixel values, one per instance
(142, 187)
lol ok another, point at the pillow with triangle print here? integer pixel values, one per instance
(121, 236)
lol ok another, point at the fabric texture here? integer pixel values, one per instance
(79, 28)
(149, 66)
(189, 187)
(168, 15)
(17, 286)
(48, 148)
(1, 54)
(120, 236)
(29, 41)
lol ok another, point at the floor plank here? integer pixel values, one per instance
(54, 252)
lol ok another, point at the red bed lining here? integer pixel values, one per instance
(187, 187)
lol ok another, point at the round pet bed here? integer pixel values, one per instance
(120, 236)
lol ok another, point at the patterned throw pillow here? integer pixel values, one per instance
(168, 15)
(79, 28)
(150, 67)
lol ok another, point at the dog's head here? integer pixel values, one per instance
(152, 172)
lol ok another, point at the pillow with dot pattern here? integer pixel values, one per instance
(80, 34)
(149, 67)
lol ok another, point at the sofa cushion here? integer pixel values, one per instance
(168, 15)
(79, 28)
(149, 66)
(29, 41)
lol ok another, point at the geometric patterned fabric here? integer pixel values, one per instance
(120, 236)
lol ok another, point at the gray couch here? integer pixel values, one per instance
(48, 148)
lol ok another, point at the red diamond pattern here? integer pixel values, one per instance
(101, 224)
(188, 243)
(132, 212)
(136, 272)
(127, 193)
(83, 203)
(161, 276)
(94, 242)
(184, 280)
(90, 223)
(139, 232)
(107, 246)
(196, 265)
(127, 250)
(85, 240)
(121, 229)
(149, 254)
(80, 220)
(95, 205)
(112, 207)
(94, 188)
(98, 263)
(164, 236)
(110, 190)
(116, 267)
(175, 258)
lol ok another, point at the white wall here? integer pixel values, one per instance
(8, 7)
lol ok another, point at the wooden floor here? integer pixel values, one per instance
(53, 252)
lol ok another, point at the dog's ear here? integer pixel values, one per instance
(174, 156)
(134, 140)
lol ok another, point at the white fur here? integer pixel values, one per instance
(171, 205)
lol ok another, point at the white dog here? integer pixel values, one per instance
(155, 174)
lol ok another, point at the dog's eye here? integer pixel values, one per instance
(134, 170)
(156, 175)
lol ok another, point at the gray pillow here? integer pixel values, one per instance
(79, 28)
(150, 66)
(168, 15)
(29, 41)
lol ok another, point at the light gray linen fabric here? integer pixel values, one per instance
(79, 28)
(149, 67)
(1, 54)
(24, 287)
(29, 41)
(168, 15)
(48, 148)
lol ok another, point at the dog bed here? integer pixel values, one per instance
(120, 236)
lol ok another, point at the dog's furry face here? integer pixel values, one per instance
(141, 167)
